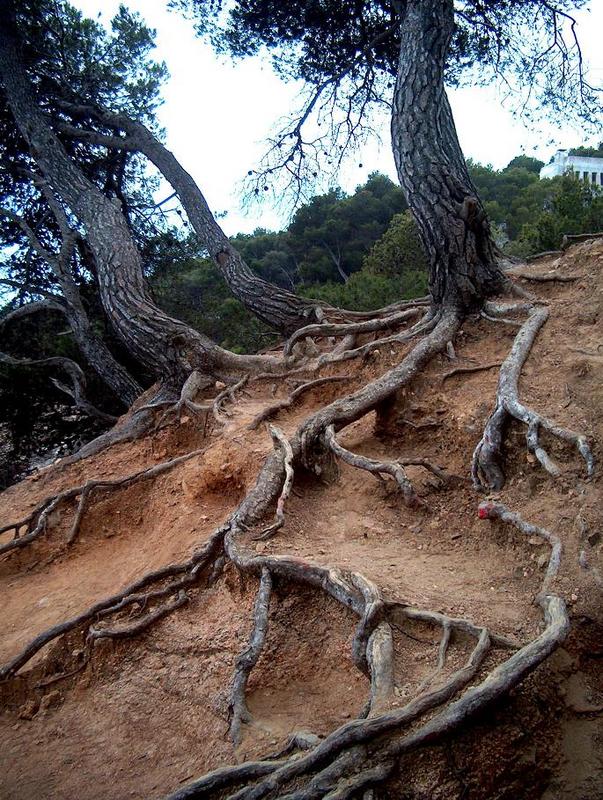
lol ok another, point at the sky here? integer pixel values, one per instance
(217, 115)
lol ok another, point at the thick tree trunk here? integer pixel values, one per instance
(100, 358)
(165, 346)
(277, 307)
(431, 168)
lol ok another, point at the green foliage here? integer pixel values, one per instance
(195, 292)
(588, 152)
(572, 206)
(529, 163)
(330, 235)
(379, 245)
(364, 291)
(512, 197)
(394, 269)
(399, 251)
(268, 253)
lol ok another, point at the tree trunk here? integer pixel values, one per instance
(277, 307)
(101, 359)
(168, 348)
(432, 171)
(96, 352)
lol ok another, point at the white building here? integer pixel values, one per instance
(586, 168)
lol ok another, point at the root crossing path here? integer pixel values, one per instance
(392, 588)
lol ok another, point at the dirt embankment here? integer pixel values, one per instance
(149, 713)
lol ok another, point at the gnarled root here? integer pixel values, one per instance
(271, 410)
(195, 382)
(490, 510)
(364, 751)
(379, 468)
(171, 580)
(229, 393)
(247, 660)
(281, 443)
(486, 470)
(371, 325)
(36, 522)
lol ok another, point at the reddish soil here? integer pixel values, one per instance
(150, 713)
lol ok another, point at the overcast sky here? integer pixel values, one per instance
(217, 114)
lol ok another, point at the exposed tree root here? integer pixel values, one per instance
(271, 410)
(363, 752)
(286, 455)
(192, 385)
(544, 254)
(486, 469)
(184, 574)
(218, 406)
(77, 390)
(249, 657)
(466, 370)
(491, 510)
(371, 325)
(379, 468)
(426, 324)
(547, 277)
(135, 426)
(36, 522)
(575, 238)
(340, 315)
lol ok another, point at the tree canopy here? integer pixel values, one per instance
(346, 53)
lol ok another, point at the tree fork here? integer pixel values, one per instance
(164, 345)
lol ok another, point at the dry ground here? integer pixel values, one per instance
(150, 713)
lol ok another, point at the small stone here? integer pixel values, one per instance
(219, 385)
(573, 598)
(50, 700)
(543, 560)
(28, 710)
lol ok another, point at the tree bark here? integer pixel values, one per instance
(96, 352)
(277, 307)
(451, 219)
(168, 348)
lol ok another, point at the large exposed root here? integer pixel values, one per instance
(363, 752)
(486, 469)
(425, 325)
(249, 657)
(379, 468)
(339, 315)
(369, 326)
(281, 443)
(273, 409)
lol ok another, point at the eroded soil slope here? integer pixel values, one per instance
(146, 714)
